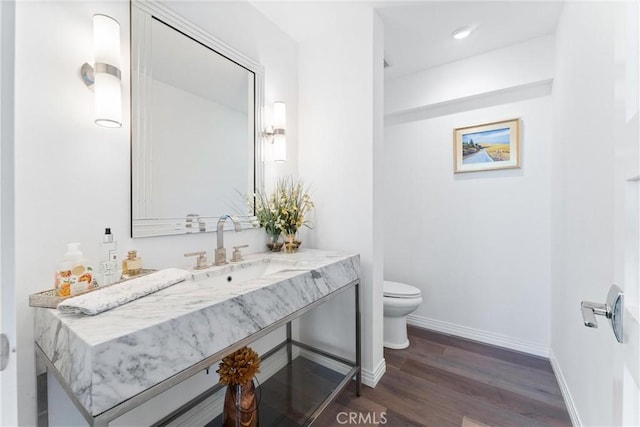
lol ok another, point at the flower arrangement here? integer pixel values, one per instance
(267, 212)
(284, 210)
(239, 367)
(294, 203)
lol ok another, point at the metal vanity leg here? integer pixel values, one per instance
(42, 399)
(358, 340)
(289, 369)
(289, 355)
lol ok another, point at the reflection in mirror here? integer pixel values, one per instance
(202, 128)
(194, 119)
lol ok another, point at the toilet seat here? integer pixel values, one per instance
(400, 290)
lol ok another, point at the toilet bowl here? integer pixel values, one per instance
(399, 300)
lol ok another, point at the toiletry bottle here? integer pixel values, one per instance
(74, 275)
(132, 265)
(109, 264)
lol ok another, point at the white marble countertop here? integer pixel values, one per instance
(108, 358)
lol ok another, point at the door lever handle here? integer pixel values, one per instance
(591, 309)
(612, 310)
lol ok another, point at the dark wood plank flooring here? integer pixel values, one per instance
(441, 379)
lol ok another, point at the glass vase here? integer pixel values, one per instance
(240, 406)
(275, 242)
(291, 244)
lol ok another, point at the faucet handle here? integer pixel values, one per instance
(201, 261)
(237, 255)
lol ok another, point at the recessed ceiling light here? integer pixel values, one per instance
(462, 32)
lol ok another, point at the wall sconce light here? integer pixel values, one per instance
(104, 77)
(277, 132)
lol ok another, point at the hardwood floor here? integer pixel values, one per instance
(439, 380)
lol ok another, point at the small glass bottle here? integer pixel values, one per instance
(132, 265)
(109, 264)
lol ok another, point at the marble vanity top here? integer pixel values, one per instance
(108, 358)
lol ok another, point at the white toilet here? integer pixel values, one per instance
(400, 300)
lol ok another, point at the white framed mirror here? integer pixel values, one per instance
(196, 107)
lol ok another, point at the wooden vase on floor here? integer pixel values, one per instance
(240, 406)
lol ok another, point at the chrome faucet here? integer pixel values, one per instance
(221, 252)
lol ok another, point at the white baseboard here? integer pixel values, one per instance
(564, 388)
(371, 378)
(478, 335)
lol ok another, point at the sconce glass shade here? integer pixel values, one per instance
(279, 116)
(108, 91)
(106, 40)
(279, 137)
(108, 100)
(279, 148)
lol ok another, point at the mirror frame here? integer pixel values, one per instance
(142, 12)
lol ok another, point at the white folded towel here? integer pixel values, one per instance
(115, 295)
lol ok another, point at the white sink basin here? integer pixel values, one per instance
(239, 273)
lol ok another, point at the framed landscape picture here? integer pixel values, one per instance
(486, 147)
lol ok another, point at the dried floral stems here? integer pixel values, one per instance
(239, 367)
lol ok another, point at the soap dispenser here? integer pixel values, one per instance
(132, 265)
(74, 276)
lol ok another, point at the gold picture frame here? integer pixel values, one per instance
(488, 146)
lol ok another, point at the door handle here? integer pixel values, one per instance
(612, 310)
(589, 311)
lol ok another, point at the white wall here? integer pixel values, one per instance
(519, 64)
(593, 154)
(72, 177)
(340, 142)
(476, 244)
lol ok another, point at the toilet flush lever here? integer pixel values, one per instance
(612, 310)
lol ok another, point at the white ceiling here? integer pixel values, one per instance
(418, 33)
(418, 36)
